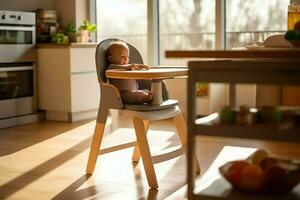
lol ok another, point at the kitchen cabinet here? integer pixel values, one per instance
(247, 71)
(68, 88)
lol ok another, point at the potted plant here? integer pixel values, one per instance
(85, 29)
(70, 30)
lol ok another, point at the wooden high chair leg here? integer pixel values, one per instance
(136, 151)
(94, 151)
(142, 141)
(182, 132)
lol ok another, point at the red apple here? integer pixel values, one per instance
(232, 171)
(282, 178)
(275, 176)
(252, 178)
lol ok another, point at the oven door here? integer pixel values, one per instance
(16, 91)
(17, 44)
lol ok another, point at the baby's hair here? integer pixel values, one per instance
(116, 44)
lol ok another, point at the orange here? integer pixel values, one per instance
(252, 178)
(233, 174)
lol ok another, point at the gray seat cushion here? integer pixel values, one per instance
(149, 107)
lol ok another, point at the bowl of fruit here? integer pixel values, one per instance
(293, 36)
(262, 173)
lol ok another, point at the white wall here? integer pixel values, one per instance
(25, 5)
(81, 10)
(65, 10)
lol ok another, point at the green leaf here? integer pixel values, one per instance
(86, 25)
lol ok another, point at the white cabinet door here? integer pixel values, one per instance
(85, 92)
(82, 60)
(53, 79)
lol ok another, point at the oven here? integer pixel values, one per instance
(17, 64)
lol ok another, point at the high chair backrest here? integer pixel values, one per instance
(101, 56)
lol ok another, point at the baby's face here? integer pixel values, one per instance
(120, 55)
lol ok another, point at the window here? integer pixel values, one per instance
(256, 20)
(186, 25)
(123, 19)
(191, 24)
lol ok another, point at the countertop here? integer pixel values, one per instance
(70, 45)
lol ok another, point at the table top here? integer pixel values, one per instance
(152, 73)
(291, 53)
(250, 71)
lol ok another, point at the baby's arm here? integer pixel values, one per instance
(140, 66)
(119, 66)
(128, 66)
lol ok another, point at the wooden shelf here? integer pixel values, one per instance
(260, 131)
(233, 195)
(264, 71)
(209, 126)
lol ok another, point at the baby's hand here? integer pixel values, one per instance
(147, 67)
(135, 67)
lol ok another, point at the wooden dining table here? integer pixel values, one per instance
(289, 53)
(155, 74)
(289, 95)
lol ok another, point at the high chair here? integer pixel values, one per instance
(111, 99)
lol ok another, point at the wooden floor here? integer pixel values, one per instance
(47, 160)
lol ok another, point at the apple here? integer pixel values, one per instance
(232, 171)
(252, 178)
(275, 182)
(281, 178)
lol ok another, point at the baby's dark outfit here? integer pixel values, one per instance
(128, 88)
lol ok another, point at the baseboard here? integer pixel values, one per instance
(71, 117)
(20, 120)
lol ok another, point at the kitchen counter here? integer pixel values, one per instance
(69, 45)
(68, 88)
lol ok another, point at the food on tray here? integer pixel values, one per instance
(262, 173)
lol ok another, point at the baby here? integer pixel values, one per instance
(118, 57)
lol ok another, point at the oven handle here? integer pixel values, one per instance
(23, 68)
(17, 28)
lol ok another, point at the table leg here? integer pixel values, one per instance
(156, 88)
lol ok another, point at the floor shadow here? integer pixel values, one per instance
(92, 192)
(30, 134)
(153, 194)
(71, 192)
(16, 184)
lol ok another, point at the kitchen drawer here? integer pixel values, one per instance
(82, 60)
(85, 92)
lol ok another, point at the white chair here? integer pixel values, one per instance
(110, 99)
